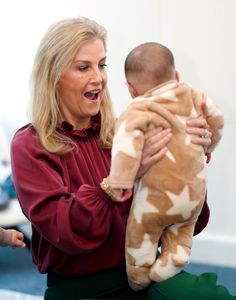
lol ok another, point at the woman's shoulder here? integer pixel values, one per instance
(26, 142)
(26, 139)
(24, 134)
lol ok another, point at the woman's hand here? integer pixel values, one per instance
(199, 128)
(154, 148)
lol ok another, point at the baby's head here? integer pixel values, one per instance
(147, 66)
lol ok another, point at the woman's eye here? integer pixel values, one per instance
(82, 68)
(102, 66)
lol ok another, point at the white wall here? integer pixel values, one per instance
(202, 36)
(22, 24)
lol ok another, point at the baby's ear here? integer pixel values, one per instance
(177, 76)
(131, 89)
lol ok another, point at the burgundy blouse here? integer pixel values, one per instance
(76, 228)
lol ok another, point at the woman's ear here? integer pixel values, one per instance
(131, 89)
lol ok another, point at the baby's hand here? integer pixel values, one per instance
(17, 239)
(122, 195)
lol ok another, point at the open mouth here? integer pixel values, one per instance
(92, 95)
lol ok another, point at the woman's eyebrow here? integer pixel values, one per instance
(88, 61)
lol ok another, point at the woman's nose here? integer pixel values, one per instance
(97, 76)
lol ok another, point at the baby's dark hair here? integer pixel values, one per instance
(150, 61)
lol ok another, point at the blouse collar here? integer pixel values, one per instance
(95, 127)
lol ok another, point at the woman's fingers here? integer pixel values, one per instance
(151, 160)
(199, 122)
(154, 148)
(155, 145)
(200, 130)
(205, 142)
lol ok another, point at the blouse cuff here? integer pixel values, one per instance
(105, 186)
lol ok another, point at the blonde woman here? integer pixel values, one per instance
(59, 163)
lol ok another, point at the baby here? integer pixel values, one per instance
(11, 237)
(169, 197)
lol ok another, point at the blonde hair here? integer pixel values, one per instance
(55, 53)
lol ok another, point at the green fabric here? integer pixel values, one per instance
(113, 285)
(190, 287)
(110, 284)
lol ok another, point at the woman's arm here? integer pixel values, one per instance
(74, 220)
(200, 128)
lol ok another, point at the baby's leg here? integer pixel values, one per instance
(138, 263)
(141, 252)
(175, 251)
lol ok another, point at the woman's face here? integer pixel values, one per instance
(81, 84)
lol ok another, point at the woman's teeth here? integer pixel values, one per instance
(93, 95)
